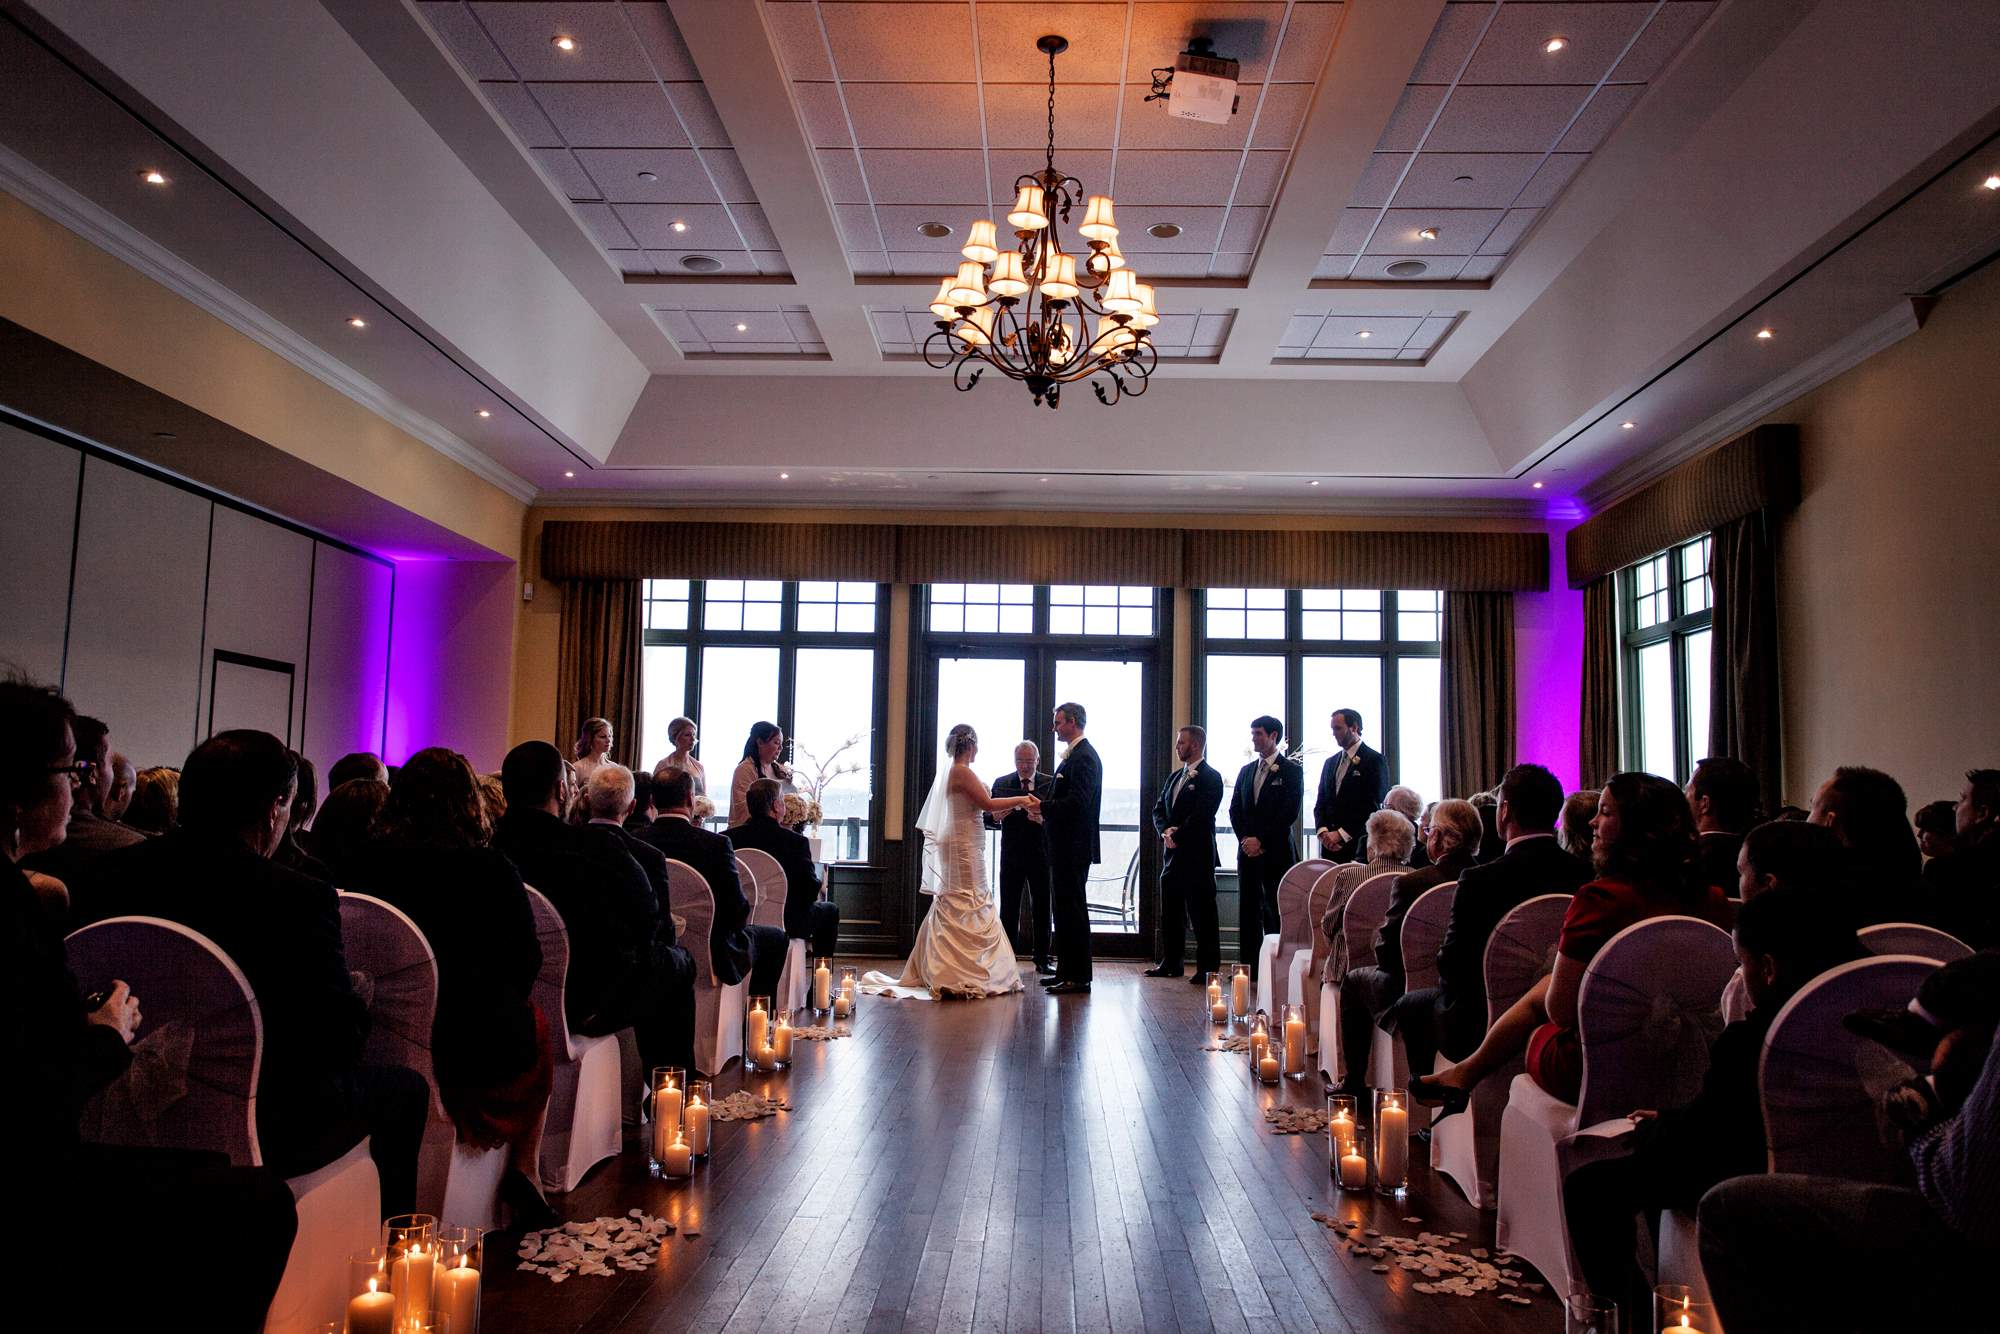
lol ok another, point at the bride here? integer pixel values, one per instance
(961, 950)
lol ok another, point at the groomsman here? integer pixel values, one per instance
(1184, 818)
(1352, 784)
(1024, 855)
(1263, 810)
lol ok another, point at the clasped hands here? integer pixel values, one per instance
(1332, 839)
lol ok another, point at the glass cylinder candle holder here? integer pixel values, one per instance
(758, 1051)
(1293, 1040)
(669, 1087)
(783, 1031)
(1263, 1054)
(461, 1256)
(822, 983)
(1392, 1141)
(848, 993)
(696, 1117)
(410, 1243)
(1216, 997)
(1590, 1314)
(1350, 1167)
(371, 1307)
(1241, 991)
(1342, 1121)
(1676, 1310)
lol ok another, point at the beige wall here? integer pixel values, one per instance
(1888, 616)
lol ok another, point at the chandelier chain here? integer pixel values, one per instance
(1052, 112)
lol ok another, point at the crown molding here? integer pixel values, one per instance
(1386, 507)
(1891, 327)
(111, 234)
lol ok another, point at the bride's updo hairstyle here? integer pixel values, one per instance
(960, 740)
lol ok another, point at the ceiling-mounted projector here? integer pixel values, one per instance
(1201, 85)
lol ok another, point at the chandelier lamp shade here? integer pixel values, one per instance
(1041, 313)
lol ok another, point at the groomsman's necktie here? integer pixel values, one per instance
(1180, 781)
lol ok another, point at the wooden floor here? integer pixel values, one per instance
(1023, 1163)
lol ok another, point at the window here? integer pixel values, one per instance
(1300, 654)
(806, 656)
(1100, 609)
(982, 609)
(1668, 605)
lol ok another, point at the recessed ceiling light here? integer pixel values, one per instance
(934, 230)
(700, 263)
(1991, 182)
(1408, 268)
(678, 225)
(568, 473)
(742, 327)
(1365, 333)
(1313, 482)
(1536, 485)
(152, 177)
(484, 412)
(784, 477)
(356, 322)
(1627, 426)
(165, 435)
(1555, 44)
(1044, 479)
(1427, 233)
(1765, 335)
(653, 176)
(563, 42)
(1165, 231)
(1461, 180)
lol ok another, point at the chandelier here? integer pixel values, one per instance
(1039, 313)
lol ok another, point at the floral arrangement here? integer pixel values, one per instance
(801, 810)
(704, 809)
(812, 785)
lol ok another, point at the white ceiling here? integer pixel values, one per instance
(1606, 215)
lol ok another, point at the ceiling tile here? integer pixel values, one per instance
(1302, 329)
(1333, 266)
(756, 228)
(631, 261)
(1007, 165)
(727, 172)
(868, 264)
(771, 262)
(1262, 174)
(822, 114)
(1243, 229)
(795, 30)
(1351, 232)
(925, 264)
(1164, 265)
(1437, 268)
(1595, 34)
(1411, 119)
(1213, 327)
(560, 167)
(1662, 41)
(1606, 109)
(1459, 231)
(857, 226)
(901, 41)
(1241, 32)
(802, 327)
(914, 115)
(1432, 329)
(891, 326)
(1174, 331)
(1352, 353)
(1162, 176)
(759, 326)
(661, 37)
(525, 33)
(923, 175)
(1007, 36)
(1384, 331)
(707, 225)
(1504, 120)
(1198, 229)
(611, 115)
(733, 261)
(467, 41)
(1147, 125)
(1451, 42)
(1481, 266)
(517, 107)
(1308, 39)
(899, 225)
(841, 172)
(605, 226)
(1017, 116)
(677, 324)
(703, 122)
(1281, 116)
(681, 179)
(1466, 180)
(1378, 180)
(1548, 182)
(1230, 264)
(1509, 231)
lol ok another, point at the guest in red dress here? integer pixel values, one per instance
(1644, 854)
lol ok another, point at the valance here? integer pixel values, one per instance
(1758, 470)
(1085, 554)
(646, 549)
(1457, 562)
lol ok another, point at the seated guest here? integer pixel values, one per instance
(1937, 828)
(489, 1044)
(315, 1100)
(1784, 1251)
(124, 782)
(291, 851)
(1791, 854)
(736, 949)
(1390, 857)
(492, 799)
(1866, 810)
(1452, 1015)
(760, 760)
(1574, 833)
(155, 804)
(90, 835)
(591, 748)
(643, 811)
(683, 734)
(1783, 941)
(1366, 993)
(1723, 796)
(607, 800)
(623, 971)
(344, 830)
(1644, 849)
(360, 764)
(1965, 882)
(1409, 803)
(806, 917)
(1488, 806)
(59, 1053)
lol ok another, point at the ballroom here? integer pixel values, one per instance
(935, 665)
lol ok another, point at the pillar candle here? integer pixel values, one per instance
(458, 1297)
(767, 1057)
(1217, 1011)
(843, 1005)
(1295, 1046)
(822, 986)
(1267, 1069)
(1240, 992)
(1259, 1044)
(1353, 1169)
(1214, 995)
(697, 1126)
(666, 1120)
(1392, 1140)
(679, 1159)
(372, 1312)
(1340, 1133)
(410, 1280)
(760, 1027)
(781, 1039)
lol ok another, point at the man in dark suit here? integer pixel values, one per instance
(1024, 855)
(1184, 818)
(315, 1100)
(1263, 809)
(1452, 1015)
(1722, 793)
(736, 949)
(1070, 811)
(1352, 784)
(807, 917)
(91, 834)
(625, 970)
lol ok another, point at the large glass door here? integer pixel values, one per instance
(1112, 691)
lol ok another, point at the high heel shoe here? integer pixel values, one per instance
(1426, 1089)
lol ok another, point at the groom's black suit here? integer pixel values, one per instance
(1070, 812)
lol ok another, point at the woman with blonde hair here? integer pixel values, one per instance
(591, 748)
(683, 733)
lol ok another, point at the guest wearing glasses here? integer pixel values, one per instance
(760, 760)
(90, 834)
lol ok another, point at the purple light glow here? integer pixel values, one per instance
(451, 660)
(1548, 668)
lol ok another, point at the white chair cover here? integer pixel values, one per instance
(1646, 1016)
(718, 1008)
(340, 1212)
(585, 1120)
(1423, 932)
(1367, 907)
(792, 977)
(1306, 971)
(1296, 928)
(1815, 1076)
(1926, 942)
(771, 887)
(1519, 953)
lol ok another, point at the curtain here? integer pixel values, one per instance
(1743, 652)
(597, 660)
(1477, 679)
(1597, 726)
(1347, 558)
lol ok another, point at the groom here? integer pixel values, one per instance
(1070, 811)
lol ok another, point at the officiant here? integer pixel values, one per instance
(1024, 855)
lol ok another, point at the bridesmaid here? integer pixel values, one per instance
(591, 748)
(760, 760)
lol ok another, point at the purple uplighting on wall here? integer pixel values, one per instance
(1548, 668)
(450, 659)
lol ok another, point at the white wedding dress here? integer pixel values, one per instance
(961, 950)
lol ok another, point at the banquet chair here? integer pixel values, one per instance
(1520, 952)
(192, 1084)
(1926, 942)
(1303, 976)
(1274, 954)
(772, 888)
(718, 1007)
(585, 1123)
(454, 1181)
(1423, 932)
(1646, 1015)
(1367, 907)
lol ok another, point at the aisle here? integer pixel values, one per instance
(1020, 1163)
